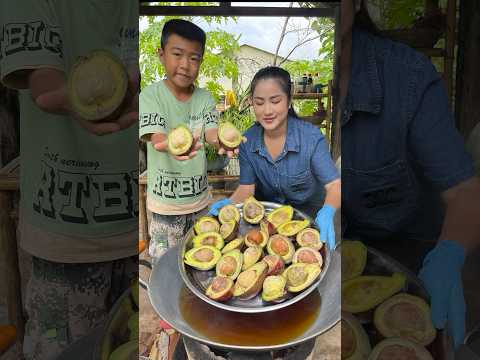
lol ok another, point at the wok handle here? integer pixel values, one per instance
(148, 265)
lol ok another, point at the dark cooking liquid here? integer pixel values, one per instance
(265, 329)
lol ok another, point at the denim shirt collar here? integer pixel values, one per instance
(365, 92)
(292, 142)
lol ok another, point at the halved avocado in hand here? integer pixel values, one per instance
(180, 140)
(203, 258)
(97, 85)
(230, 137)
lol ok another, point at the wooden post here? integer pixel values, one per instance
(450, 46)
(467, 106)
(8, 246)
(329, 114)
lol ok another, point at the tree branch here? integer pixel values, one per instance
(282, 35)
(295, 47)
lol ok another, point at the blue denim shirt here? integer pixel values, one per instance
(298, 174)
(400, 147)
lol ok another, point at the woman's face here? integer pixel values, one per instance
(270, 104)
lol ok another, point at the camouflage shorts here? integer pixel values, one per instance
(64, 302)
(167, 231)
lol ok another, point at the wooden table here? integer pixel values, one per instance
(8, 248)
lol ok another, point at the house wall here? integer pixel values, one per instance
(249, 60)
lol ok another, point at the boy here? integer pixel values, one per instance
(177, 185)
(78, 218)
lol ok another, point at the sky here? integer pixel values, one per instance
(264, 32)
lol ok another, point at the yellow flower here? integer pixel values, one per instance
(230, 97)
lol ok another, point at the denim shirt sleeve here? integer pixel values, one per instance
(435, 144)
(247, 170)
(322, 164)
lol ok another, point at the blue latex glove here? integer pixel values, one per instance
(216, 206)
(324, 221)
(442, 275)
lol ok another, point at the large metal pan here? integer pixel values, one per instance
(197, 281)
(165, 286)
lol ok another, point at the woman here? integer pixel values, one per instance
(407, 179)
(286, 160)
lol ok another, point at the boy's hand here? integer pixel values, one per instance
(230, 153)
(56, 102)
(196, 145)
(160, 143)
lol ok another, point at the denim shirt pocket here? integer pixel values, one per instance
(298, 188)
(384, 198)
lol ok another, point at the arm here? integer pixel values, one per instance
(333, 195)
(462, 212)
(247, 183)
(325, 171)
(439, 150)
(242, 192)
(211, 137)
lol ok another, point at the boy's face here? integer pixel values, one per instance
(181, 58)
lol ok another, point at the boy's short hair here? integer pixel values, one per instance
(185, 29)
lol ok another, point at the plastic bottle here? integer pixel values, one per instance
(309, 84)
(304, 82)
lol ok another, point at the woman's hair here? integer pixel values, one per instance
(283, 78)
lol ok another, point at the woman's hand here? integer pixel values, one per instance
(442, 275)
(216, 206)
(324, 221)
